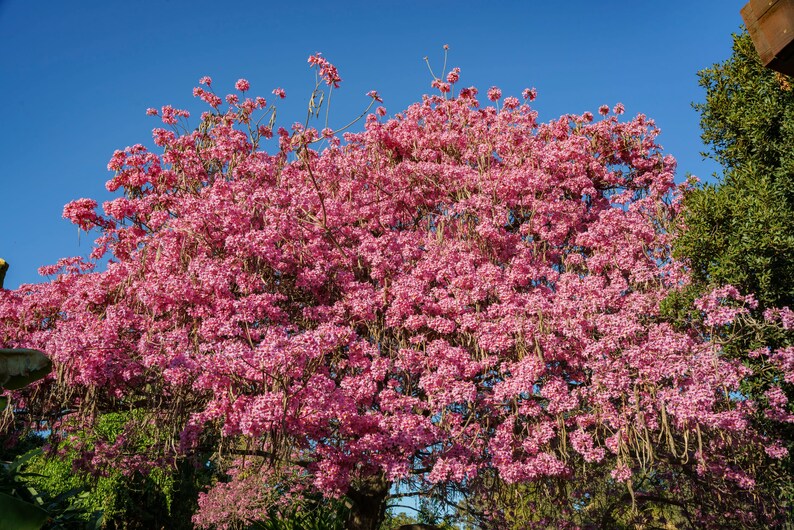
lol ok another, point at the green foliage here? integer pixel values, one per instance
(20, 515)
(311, 514)
(26, 507)
(422, 519)
(392, 521)
(741, 231)
(648, 503)
(164, 497)
(18, 504)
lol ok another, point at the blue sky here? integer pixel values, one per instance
(78, 76)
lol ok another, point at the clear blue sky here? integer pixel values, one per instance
(78, 76)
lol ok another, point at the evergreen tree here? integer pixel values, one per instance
(740, 230)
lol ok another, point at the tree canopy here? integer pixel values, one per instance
(455, 295)
(740, 230)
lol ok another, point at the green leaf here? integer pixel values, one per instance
(3, 403)
(21, 460)
(20, 515)
(68, 494)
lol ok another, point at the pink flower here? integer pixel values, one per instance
(468, 93)
(117, 160)
(151, 112)
(776, 451)
(437, 83)
(511, 103)
(619, 109)
(242, 85)
(758, 352)
(280, 92)
(453, 76)
(168, 115)
(778, 405)
(207, 96)
(529, 94)
(582, 443)
(717, 309)
(328, 71)
(206, 80)
(81, 212)
(784, 315)
(374, 95)
(621, 473)
(494, 94)
(603, 110)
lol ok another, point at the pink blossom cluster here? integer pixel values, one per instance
(82, 213)
(718, 312)
(455, 290)
(328, 71)
(252, 495)
(783, 315)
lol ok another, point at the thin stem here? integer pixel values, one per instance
(328, 105)
(358, 118)
(444, 68)
(427, 62)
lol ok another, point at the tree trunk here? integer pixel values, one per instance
(368, 499)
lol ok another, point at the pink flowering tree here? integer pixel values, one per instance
(453, 294)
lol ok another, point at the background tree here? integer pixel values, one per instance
(453, 296)
(740, 230)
